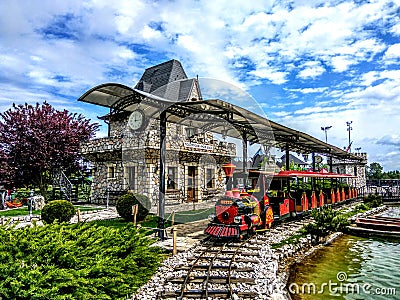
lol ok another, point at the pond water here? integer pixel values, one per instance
(350, 268)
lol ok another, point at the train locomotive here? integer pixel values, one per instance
(237, 215)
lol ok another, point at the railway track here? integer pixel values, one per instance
(222, 270)
(230, 270)
(215, 272)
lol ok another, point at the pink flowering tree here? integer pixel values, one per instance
(37, 140)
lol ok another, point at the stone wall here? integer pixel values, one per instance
(126, 149)
(353, 168)
(123, 138)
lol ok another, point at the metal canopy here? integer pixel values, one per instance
(212, 115)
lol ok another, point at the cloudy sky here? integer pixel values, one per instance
(307, 63)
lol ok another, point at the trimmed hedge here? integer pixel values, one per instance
(79, 261)
(60, 210)
(125, 203)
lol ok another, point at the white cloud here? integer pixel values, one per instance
(311, 70)
(309, 90)
(244, 43)
(396, 29)
(392, 54)
(276, 77)
(341, 63)
(393, 139)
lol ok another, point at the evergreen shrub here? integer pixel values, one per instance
(78, 261)
(60, 210)
(125, 203)
(326, 220)
(373, 200)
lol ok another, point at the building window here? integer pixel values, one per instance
(191, 132)
(131, 177)
(111, 172)
(172, 178)
(355, 171)
(210, 178)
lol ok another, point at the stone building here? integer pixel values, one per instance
(352, 168)
(128, 158)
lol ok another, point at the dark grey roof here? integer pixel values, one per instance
(160, 75)
(180, 90)
(239, 164)
(293, 159)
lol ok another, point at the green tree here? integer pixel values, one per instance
(374, 171)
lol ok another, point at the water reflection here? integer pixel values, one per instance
(351, 268)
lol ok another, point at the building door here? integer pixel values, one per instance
(191, 183)
(131, 178)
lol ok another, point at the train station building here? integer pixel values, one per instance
(128, 159)
(167, 105)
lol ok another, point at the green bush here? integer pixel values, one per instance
(79, 261)
(61, 210)
(326, 220)
(125, 203)
(373, 201)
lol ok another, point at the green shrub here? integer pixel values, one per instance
(326, 220)
(373, 201)
(60, 210)
(125, 203)
(79, 261)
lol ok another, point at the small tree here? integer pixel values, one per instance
(37, 140)
(374, 171)
(61, 210)
(125, 203)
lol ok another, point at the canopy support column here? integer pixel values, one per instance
(313, 168)
(287, 166)
(244, 137)
(287, 160)
(161, 198)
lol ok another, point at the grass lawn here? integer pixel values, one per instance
(22, 211)
(151, 220)
(191, 215)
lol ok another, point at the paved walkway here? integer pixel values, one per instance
(188, 234)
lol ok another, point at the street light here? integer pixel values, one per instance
(326, 128)
(349, 128)
(358, 149)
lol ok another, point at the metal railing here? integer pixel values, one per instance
(388, 193)
(64, 183)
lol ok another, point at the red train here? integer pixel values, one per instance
(243, 212)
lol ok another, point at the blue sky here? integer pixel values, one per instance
(307, 63)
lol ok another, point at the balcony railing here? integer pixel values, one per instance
(110, 144)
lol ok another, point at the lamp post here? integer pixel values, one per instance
(357, 149)
(326, 128)
(349, 128)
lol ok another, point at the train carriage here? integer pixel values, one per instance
(268, 198)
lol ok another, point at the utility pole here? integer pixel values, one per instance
(326, 128)
(349, 128)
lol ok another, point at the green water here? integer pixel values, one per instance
(350, 268)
